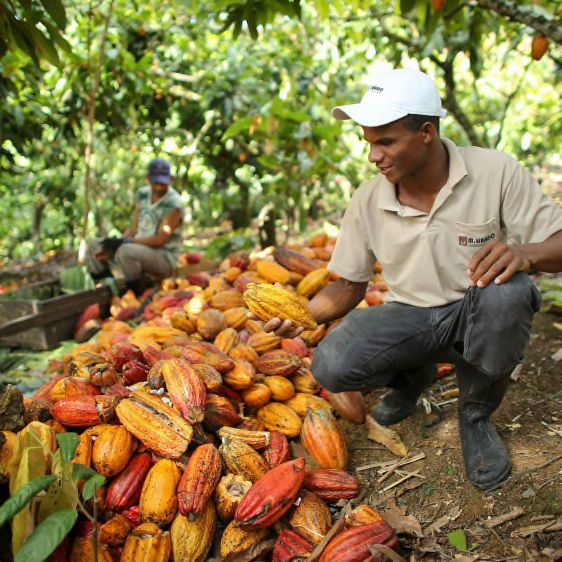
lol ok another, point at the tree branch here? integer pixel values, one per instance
(527, 14)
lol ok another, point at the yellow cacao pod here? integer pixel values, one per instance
(192, 536)
(226, 339)
(147, 543)
(313, 282)
(281, 387)
(240, 458)
(273, 272)
(278, 417)
(236, 539)
(112, 449)
(158, 501)
(236, 317)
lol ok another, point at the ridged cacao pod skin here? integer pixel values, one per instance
(157, 426)
(241, 376)
(185, 387)
(278, 451)
(83, 453)
(199, 479)
(70, 387)
(236, 539)
(268, 301)
(242, 351)
(208, 354)
(242, 459)
(112, 449)
(311, 284)
(219, 411)
(278, 417)
(273, 272)
(236, 317)
(229, 493)
(301, 402)
(350, 405)
(263, 341)
(352, 545)
(84, 411)
(313, 337)
(294, 261)
(226, 340)
(271, 496)
(211, 378)
(147, 543)
(330, 484)
(323, 438)
(192, 537)
(279, 362)
(224, 300)
(83, 551)
(115, 531)
(181, 321)
(295, 345)
(363, 514)
(281, 388)
(158, 501)
(125, 489)
(304, 381)
(289, 546)
(256, 439)
(311, 518)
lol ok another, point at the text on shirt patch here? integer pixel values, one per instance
(377, 89)
(472, 241)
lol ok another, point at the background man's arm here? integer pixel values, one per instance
(166, 228)
(132, 230)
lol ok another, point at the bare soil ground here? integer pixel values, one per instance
(440, 498)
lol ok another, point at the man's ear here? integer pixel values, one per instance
(428, 132)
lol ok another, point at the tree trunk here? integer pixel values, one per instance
(38, 208)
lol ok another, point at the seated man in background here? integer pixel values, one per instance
(152, 243)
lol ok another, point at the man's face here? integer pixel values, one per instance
(158, 189)
(396, 150)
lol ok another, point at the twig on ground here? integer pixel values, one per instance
(501, 519)
(524, 473)
(550, 428)
(402, 462)
(399, 481)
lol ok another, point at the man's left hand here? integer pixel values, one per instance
(497, 262)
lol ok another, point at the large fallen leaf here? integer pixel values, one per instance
(385, 436)
(403, 524)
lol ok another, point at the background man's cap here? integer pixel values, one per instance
(393, 94)
(159, 171)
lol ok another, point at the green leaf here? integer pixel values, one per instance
(56, 10)
(17, 502)
(81, 472)
(323, 8)
(406, 6)
(63, 493)
(458, 539)
(237, 127)
(68, 443)
(92, 485)
(47, 536)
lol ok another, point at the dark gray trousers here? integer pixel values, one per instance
(487, 330)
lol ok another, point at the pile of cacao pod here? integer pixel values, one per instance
(189, 415)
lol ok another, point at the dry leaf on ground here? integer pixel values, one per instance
(385, 436)
(403, 524)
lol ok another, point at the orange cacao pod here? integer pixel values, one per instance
(231, 298)
(240, 458)
(185, 388)
(181, 321)
(112, 449)
(256, 396)
(323, 438)
(199, 479)
(237, 539)
(83, 453)
(331, 484)
(301, 402)
(279, 362)
(242, 351)
(156, 425)
(211, 378)
(84, 411)
(281, 388)
(219, 411)
(125, 489)
(236, 317)
(158, 502)
(210, 322)
(313, 282)
(305, 382)
(273, 272)
(256, 439)
(209, 354)
(311, 518)
(313, 337)
(363, 514)
(263, 341)
(83, 551)
(295, 345)
(147, 543)
(318, 240)
(115, 531)
(241, 375)
(272, 495)
(70, 387)
(252, 424)
(278, 417)
(231, 274)
(352, 545)
(226, 340)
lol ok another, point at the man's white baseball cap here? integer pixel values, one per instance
(393, 94)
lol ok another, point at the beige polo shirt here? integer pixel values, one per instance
(424, 256)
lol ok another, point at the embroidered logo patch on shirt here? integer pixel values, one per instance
(472, 241)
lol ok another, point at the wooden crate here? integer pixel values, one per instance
(53, 314)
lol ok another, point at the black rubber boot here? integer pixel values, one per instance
(401, 401)
(485, 457)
